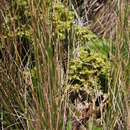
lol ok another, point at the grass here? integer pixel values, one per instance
(33, 103)
(33, 93)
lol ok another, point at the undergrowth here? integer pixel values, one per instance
(56, 74)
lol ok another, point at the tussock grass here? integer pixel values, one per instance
(31, 100)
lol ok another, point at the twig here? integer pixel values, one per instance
(78, 18)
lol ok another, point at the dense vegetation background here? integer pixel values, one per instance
(64, 65)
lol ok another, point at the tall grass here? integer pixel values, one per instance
(119, 84)
(31, 103)
(33, 95)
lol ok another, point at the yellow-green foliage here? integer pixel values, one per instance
(63, 20)
(17, 29)
(83, 35)
(89, 72)
(17, 22)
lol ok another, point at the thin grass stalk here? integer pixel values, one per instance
(49, 79)
(118, 86)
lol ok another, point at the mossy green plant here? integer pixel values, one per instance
(89, 71)
(63, 19)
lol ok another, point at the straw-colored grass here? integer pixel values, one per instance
(33, 80)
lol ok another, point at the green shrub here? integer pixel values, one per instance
(89, 72)
(63, 20)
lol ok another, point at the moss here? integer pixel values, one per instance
(89, 72)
